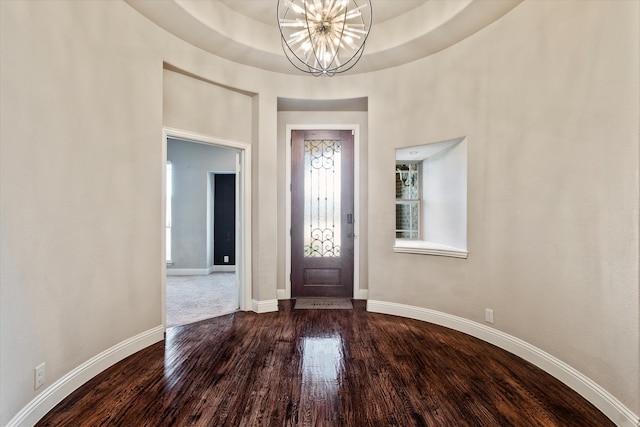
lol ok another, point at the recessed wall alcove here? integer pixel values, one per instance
(347, 113)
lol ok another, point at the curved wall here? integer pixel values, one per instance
(547, 97)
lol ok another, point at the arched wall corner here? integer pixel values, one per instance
(587, 388)
(59, 390)
(63, 387)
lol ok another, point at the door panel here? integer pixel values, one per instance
(322, 213)
(224, 226)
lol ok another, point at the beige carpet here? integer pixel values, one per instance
(323, 304)
(194, 298)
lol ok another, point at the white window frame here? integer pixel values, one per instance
(411, 202)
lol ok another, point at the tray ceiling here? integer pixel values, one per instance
(245, 31)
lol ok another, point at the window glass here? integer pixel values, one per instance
(407, 200)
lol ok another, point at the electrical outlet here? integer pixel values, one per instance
(488, 315)
(39, 376)
(226, 258)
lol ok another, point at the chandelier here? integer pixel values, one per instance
(324, 37)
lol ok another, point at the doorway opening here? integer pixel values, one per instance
(207, 227)
(322, 237)
(330, 269)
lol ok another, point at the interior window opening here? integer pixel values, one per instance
(431, 199)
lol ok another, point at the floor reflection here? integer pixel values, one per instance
(177, 360)
(322, 367)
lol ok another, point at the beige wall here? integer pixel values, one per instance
(193, 104)
(547, 97)
(203, 107)
(81, 123)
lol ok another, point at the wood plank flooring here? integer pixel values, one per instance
(322, 368)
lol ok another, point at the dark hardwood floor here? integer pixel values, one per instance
(322, 368)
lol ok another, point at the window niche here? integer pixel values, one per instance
(431, 199)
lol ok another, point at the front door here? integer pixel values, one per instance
(322, 213)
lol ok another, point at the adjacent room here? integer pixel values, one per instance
(201, 232)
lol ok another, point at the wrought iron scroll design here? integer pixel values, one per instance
(322, 198)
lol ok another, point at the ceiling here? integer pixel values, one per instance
(245, 31)
(265, 10)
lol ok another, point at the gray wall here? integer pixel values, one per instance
(191, 232)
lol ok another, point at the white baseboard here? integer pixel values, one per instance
(281, 294)
(363, 294)
(264, 306)
(222, 269)
(587, 388)
(201, 271)
(56, 392)
(187, 271)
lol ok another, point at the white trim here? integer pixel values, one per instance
(422, 247)
(267, 306)
(56, 392)
(281, 294)
(163, 240)
(243, 202)
(201, 271)
(243, 227)
(356, 201)
(364, 294)
(587, 388)
(188, 271)
(222, 269)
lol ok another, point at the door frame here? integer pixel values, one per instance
(356, 202)
(243, 212)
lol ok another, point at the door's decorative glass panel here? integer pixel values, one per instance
(322, 198)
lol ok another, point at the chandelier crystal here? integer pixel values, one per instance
(324, 37)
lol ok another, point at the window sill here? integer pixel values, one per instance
(422, 247)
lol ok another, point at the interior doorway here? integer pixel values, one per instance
(200, 225)
(193, 270)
